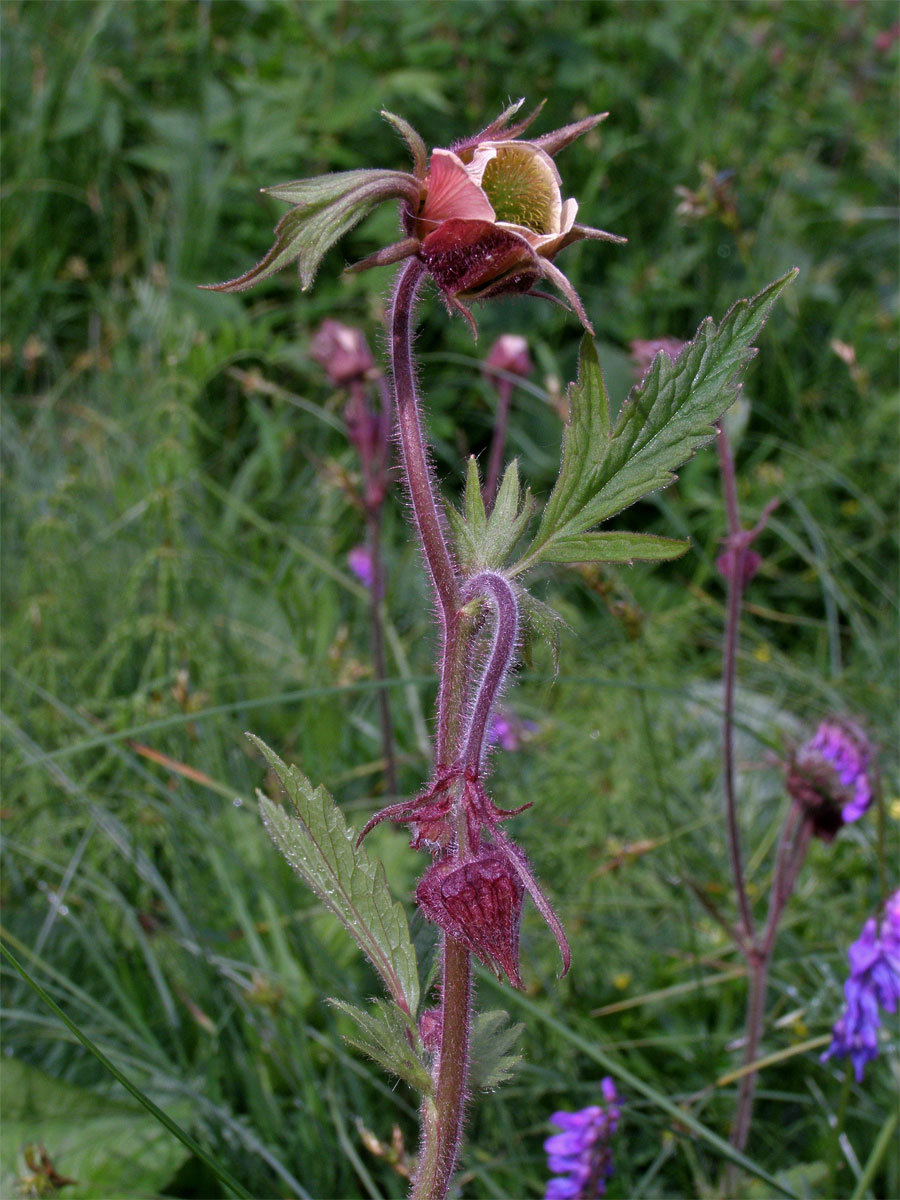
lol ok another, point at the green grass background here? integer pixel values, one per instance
(174, 573)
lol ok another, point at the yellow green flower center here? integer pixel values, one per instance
(521, 189)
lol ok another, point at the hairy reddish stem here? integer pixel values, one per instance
(502, 599)
(442, 1114)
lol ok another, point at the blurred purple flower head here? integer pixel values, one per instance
(343, 352)
(508, 731)
(830, 777)
(360, 563)
(580, 1156)
(510, 353)
(873, 983)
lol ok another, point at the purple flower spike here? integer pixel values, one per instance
(874, 983)
(830, 777)
(580, 1156)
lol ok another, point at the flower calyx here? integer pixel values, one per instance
(477, 901)
(486, 218)
(474, 888)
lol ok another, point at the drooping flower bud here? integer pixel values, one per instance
(829, 776)
(510, 353)
(644, 350)
(478, 902)
(343, 352)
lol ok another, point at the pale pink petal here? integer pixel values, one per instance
(568, 215)
(453, 193)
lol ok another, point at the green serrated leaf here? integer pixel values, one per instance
(616, 547)
(391, 1039)
(664, 421)
(485, 542)
(315, 840)
(491, 1048)
(476, 517)
(326, 208)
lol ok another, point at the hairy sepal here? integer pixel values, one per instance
(666, 418)
(486, 542)
(327, 207)
(389, 1037)
(314, 838)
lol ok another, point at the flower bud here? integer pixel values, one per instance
(479, 903)
(343, 352)
(510, 353)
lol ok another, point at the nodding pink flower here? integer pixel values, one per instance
(580, 1156)
(830, 777)
(486, 217)
(343, 352)
(874, 983)
(493, 215)
(360, 563)
(510, 353)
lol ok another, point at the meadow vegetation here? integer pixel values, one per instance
(175, 539)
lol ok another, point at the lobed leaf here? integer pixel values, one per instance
(666, 418)
(390, 1038)
(327, 207)
(314, 838)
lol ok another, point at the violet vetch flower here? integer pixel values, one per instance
(830, 777)
(874, 983)
(580, 1156)
(644, 350)
(360, 563)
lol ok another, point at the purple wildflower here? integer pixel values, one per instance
(580, 1156)
(360, 563)
(830, 777)
(874, 983)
